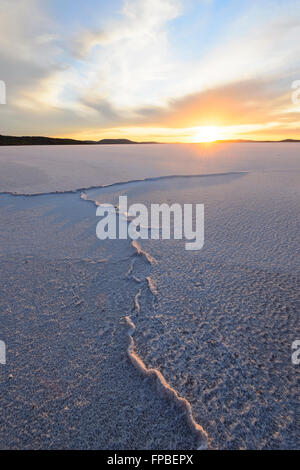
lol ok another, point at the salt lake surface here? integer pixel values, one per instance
(218, 323)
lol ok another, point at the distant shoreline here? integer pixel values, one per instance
(6, 140)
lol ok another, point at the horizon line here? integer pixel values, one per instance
(8, 140)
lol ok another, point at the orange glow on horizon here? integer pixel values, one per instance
(194, 135)
(207, 134)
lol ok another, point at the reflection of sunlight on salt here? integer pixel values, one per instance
(207, 152)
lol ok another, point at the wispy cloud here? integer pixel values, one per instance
(128, 73)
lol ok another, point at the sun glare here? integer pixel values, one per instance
(207, 134)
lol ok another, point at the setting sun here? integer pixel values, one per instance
(207, 134)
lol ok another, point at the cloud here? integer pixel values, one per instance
(140, 20)
(27, 33)
(135, 54)
(248, 101)
(29, 47)
(127, 72)
(132, 64)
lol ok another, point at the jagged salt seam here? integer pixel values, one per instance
(141, 252)
(162, 384)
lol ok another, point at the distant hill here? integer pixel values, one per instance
(33, 140)
(115, 141)
(121, 141)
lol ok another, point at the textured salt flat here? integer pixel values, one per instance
(218, 323)
(222, 320)
(64, 296)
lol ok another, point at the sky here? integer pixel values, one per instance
(163, 70)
